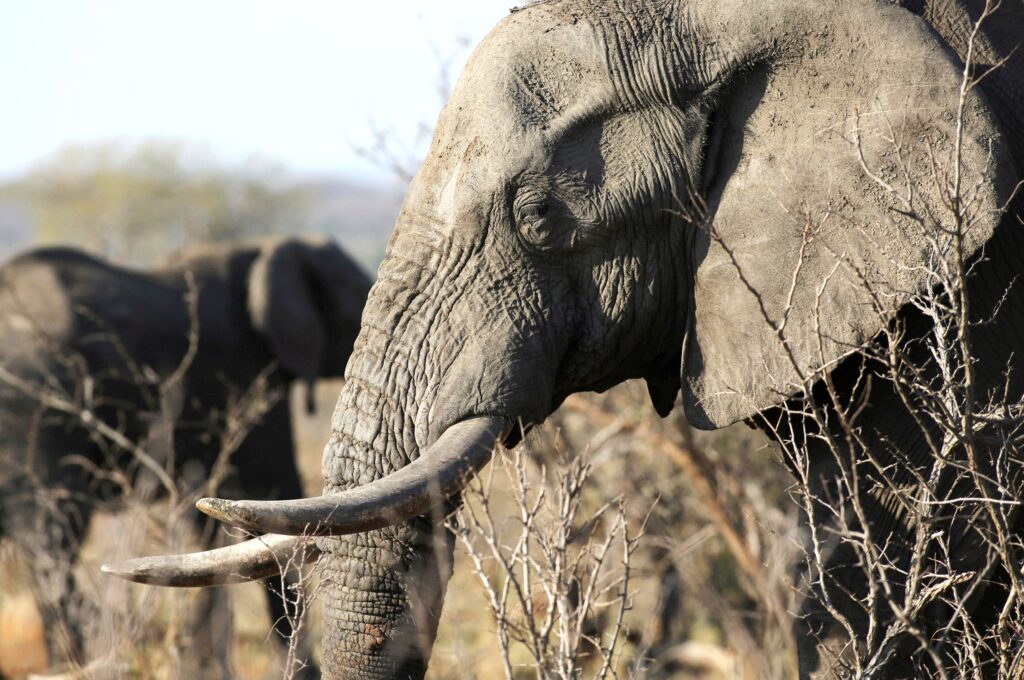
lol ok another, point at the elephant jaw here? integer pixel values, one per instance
(441, 472)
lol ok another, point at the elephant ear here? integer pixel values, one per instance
(836, 156)
(306, 297)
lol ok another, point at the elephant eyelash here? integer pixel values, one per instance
(532, 211)
(531, 190)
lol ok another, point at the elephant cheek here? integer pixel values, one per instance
(498, 372)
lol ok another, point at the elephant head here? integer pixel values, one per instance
(301, 295)
(707, 194)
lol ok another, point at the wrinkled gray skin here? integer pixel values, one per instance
(557, 239)
(294, 304)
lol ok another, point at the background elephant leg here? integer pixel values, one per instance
(47, 497)
(212, 627)
(823, 648)
(50, 542)
(266, 468)
(820, 641)
(210, 621)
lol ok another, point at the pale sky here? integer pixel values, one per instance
(298, 82)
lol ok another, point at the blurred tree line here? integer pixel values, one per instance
(133, 203)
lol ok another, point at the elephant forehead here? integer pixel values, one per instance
(527, 81)
(497, 124)
(530, 69)
(536, 77)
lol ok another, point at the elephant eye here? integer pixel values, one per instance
(533, 211)
(534, 225)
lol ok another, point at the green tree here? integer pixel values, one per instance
(133, 203)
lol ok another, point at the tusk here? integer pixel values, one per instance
(250, 560)
(441, 472)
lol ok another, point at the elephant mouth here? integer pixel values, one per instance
(437, 475)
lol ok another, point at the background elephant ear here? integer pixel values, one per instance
(841, 112)
(306, 297)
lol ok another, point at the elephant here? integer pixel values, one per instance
(83, 341)
(705, 194)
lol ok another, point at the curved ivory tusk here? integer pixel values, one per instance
(250, 560)
(442, 471)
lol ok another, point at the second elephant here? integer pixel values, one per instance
(94, 358)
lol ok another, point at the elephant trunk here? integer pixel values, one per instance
(383, 589)
(439, 349)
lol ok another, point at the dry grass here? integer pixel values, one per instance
(692, 609)
(158, 612)
(694, 612)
